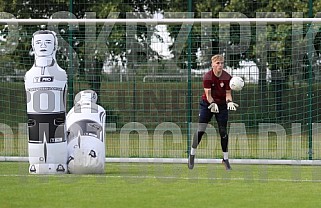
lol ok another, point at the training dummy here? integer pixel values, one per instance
(85, 125)
(46, 86)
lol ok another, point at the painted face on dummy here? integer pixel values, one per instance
(44, 45)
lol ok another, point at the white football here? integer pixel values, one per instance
(236, 83)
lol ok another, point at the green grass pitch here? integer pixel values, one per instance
(164, 185)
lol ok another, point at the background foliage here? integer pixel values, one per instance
(141, 83)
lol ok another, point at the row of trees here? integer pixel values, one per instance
(83, 55)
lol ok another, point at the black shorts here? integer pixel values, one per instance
(205, 114)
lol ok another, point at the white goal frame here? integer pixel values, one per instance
(184, 161)
(158, 21)
(169, 21)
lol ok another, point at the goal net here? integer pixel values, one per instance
(147, 73)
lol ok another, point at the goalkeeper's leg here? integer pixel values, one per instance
(205, 116)
(196, 140)
(222, 119)
(222, 126)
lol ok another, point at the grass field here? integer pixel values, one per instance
(164, 185)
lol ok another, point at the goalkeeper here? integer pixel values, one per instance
(216, 100)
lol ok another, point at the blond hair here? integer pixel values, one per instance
(217, 57)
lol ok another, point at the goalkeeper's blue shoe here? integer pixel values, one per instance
(227, 165)
(191, 161)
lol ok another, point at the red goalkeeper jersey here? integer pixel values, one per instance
(218, 86)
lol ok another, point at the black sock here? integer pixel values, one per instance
(197, 138)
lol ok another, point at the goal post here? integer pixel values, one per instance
(148, 72)
(164, 21)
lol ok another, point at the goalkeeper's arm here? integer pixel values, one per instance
(208, 93)
(228, 96)
(213, 106)
(230, 104)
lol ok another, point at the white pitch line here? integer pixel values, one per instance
(165, 177)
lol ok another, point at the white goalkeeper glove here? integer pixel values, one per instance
(232, 106)
(213, 107)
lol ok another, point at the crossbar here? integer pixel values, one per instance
(160, 21)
